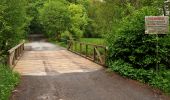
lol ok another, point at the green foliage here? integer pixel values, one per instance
(78, 18)
(59, 17)
(91, 31)
(105, 16)
(3, 58)
(66, 35)
(13, 23)
(133, 54)
(155, 3)
(160, 80)
(97, 41)
(8, 80)
(54, 17)
(132, 45)
(90, 49)
(33, 12)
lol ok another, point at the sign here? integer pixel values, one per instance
(156, 24)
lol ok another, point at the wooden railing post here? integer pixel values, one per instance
(68, 44)
(71, 45)
(20, 50)
(15, 53)
(23, 48)
(80, 48)
(75, 46)
(86, 50)
(105, 55)
(94, 53)
(97, 55)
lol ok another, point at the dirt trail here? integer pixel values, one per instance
(51, 72)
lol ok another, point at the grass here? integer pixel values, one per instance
(60, 43)
(8, 80)
(90, 52)
(90, 48)
(76, 47)
(97, 41)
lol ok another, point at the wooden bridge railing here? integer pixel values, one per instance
(96, 53)
(15, 53)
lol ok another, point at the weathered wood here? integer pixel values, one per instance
(80, 47)
(15, 53)
(86, 50)
(101, 46)
(70, 43)
(97, 56)
(16, 47)
(75, 46)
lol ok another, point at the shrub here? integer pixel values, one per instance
(13, 23)
(132, 45)
(133, 54)
(8, 80)
(160, 80)
(65, 36)
(78, 16)
(54, 17)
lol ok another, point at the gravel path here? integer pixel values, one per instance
(50, 72)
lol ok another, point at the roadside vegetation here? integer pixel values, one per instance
(13, 28)
(118, 24)
(8, 81)
(133, 54)
(97, 41)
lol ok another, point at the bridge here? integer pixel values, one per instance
(51, 72)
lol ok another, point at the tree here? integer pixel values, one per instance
(33, 12)
(13, 23)
(78, 18)
(132, 45)
(54, 17)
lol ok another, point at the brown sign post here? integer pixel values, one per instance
(156, 24)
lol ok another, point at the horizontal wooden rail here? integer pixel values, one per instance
(15, 53)
(96, 53)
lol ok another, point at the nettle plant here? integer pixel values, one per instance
(132, 45)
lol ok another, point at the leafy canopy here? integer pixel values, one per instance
(54, 17)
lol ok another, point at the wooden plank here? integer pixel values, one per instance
(19, 45)
(90, 44)
(11, 58)
(15, 53)
(96, 53)
(68, 45)
(80, 47)
(99, 55)
(86, 50)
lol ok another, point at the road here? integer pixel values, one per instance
(50, 72)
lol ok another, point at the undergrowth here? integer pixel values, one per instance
(159, 79)
(8, 80)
